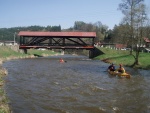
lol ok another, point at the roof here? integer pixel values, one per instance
(147, 40)
(121, 45)
(57, 34)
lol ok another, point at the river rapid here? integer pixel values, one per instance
(80, 85)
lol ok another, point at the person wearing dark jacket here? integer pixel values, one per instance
(111, 67)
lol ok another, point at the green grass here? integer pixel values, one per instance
(123, 57)
(7, 52)
(4, 108)
(144, 60)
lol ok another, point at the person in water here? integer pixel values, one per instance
(121, 69)
(111, 67)
(61, 60)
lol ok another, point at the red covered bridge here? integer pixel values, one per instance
(56, 40)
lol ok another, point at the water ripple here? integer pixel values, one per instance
(82, 85)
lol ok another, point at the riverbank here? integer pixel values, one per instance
(4, 108)
(6, 53)
(123, 57)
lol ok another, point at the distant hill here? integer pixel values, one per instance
(7, 34)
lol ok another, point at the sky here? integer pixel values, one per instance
(23, 13)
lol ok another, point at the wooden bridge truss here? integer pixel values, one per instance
(56, 40)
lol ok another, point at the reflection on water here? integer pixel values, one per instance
(81, 85)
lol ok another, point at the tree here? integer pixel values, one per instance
(146, 29)
(7, 34)
(97, 27)
(53, 28)
(79, 25)
(134, 15)
(101, 30)
(139, 30)
(121, 34)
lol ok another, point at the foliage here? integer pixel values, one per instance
(135, 16)
(4, 108)
(7, 34)
(53, 28)
(7, 52)
(97, 27)
(121, 34)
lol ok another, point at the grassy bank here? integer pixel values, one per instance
(4, 108)
(123, 57)
(7, 54)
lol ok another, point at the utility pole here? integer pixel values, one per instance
(14, 37)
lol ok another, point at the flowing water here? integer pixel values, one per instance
(80, 85)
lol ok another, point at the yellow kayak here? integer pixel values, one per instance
(119, 74)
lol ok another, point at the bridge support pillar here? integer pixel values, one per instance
(25, 51)
(95, 52)
(62, 52)
(91, 53)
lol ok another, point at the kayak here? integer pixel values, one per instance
(119, 74)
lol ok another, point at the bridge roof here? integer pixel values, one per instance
(57, 34)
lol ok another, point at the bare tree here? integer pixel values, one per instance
(135, 15)
(140, 21)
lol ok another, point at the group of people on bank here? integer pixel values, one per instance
(120, 69)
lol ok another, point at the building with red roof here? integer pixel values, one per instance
(147, 42)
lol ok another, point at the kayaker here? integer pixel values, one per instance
(121, 69)
(111, 67)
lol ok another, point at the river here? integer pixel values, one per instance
(80, 85)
